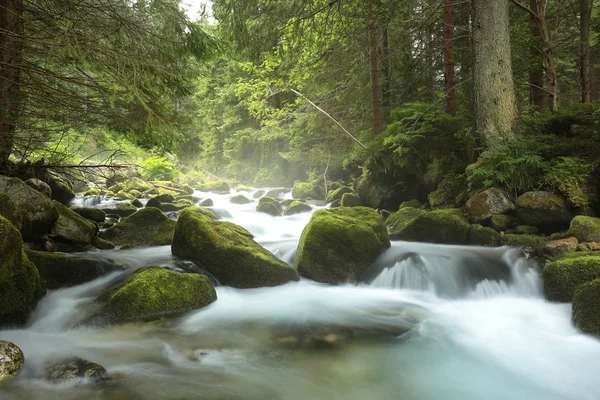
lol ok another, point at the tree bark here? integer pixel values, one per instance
(374, 71)
(11, 47)
(585, 9)
(494, 92)
(449, 86)
(537, 94)
(540, 12)
(386, 71)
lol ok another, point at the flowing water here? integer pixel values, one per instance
(428, 322)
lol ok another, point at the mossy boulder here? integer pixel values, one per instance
(219, 187)
(20, 284)
(297, 207)
(502, 223)
(338, 193)
(124, 195)
(563, 276)
(534, 245)
(206, 203)
(152, 293)
(9, 210)
(228, 251)
(40, 186)
(161, 198)
(187, 188)
(92, 214)
(72, 227)
(586, 307)
(450, 192)
(125, 209)
(102, 244)
(414, 203)
(527, 230)
(37, 211)
(240, 199)
(136, 184)
(445, 226)
(350, 200)
(585, 229)
(92, 192)
(62, 190)
(72, 368)
(400, 219)
(269, 205)
(338, 244)
(543, 209)
(482, 236)
(11, 360)
(482, 206)
(306, 190)
(58, 270)
(146, 227)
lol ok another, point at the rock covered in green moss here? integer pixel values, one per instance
(400, 219)
(482, 236)
(439, 226)
(58, 270)
(240, 199)
(585, 229)
(102, 244)
(93, 214)
(269, 205)
(369, 193)
(219, 187)
(527, 230)
(228, 251)
(338, 244)
(152, 293)
(11, 360)
(37, 211)
(20, 284)
(136, 184)
(187, 188)
(350, 200)
(451, 192)
(122, 195)
(502, 223)
(297, 207)
(414, 203)
(308, 190)
(146, 227)
(9, 210)
(72, 227)
(92, 192)
(493, 201)
(543, 209)
(586, 307)
(338, 193)
(563, 276)
(532, 244)
(40, 186)
(62, 190)
(161, 198)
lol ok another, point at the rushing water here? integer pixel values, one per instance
(429, 322)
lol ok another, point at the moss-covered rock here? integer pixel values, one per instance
(161, 198)
(451, 192)
(93, 214)
(146, 227)
(58, 270)
(502, 223)
(439, 226)
(543, 209)
(482, 236)
(93, 192)
(527, 230)
(62, 190)
(136, 184)
(338, 244)
(482, 206)
(187, 188)
(400, 219)
(40, 186)
(219, 187)
(124, 195)
(206, 203)
(20, 284)
(269, 205)
(297, 207)
(585, 229)
(152, 293)
(240, 199)
(11, 360)
(414, 203)
(306, 190)
(72, 227)
(563, 276)
(9, 210)
(369, 193)
(125, 209)
(534, 244)
(102, 244)
(37, 211)
(351, 200)
(586, 307)
(228, 251)
(338, 193)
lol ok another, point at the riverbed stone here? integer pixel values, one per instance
(502, 223)
(543, 209)
(62, 190)
(482, 206)
(269, 205)
(586, 307)
(228, 251)
(481, 236)
(338, 244)
(136, 184)
(92, 214)
(75, 368)
(414, 203)
(11, 360)
(563, 276)
(240, 199)
(297, 207)
(40, 186)
(400, 219)
(445, 226)
(585, 229)
(9, 210)
(72, 227)
(218, 187)
(146, 227)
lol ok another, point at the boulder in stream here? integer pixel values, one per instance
(228, 251)
(482, 206)
(585, 229)
(446, 226)
(240, 199)
(308, 190)
(219, 187)
(563, 276)
(11, 360)
(297, 207)
(543, 209)
(72, 227)
(75, 368)
(338, 244)
(40, 186)
(586, 307)
(93, 214)
(146, 227)
(269, 205)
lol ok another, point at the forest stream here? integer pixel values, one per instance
(427, 322)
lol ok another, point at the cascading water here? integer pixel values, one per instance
(428, 322)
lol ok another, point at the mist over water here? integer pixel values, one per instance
(427, 322)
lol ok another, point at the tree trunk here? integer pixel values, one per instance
(385, 58)
(540, 11)
(377, 124)
(11, 46)
(536, 76)
(449, 58)
(585, 9)
(494, 92)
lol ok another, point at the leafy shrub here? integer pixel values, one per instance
(569, 175)
(158, 168)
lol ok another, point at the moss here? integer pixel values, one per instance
(20, 284)
(543, 209)
(297, 207)
(400, 219)
(102, 244)
(482, 206)
(62, 191)
(161, 191)
(563, 276)
(146, 227)
(451, 192)
(585, 229)
(481, 236)
(269, 205)
(586, 307)
(187, 188)
(219, 187)
(338, 193)
(440, 226)
(351, 200)
(526, 230)
(93, 214)
(152, 293)
(58, 270)
(240, 199)
(338, 244)
(40, 186)
(501, 223)
(536, 243)
(72, 227)
(124, 195)
(137, 184)
(305, 190)
(184, 203)
(9, 210)
(243, 188)
(414, 203)
(228, 251)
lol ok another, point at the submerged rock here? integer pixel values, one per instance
(228, 251)
(11, 360)
(152, 293)
(297, 207)
(563, 276)
(484, 205)
(75, 368)
(543, 209)
(206, 203)
(146, 227)
(338, 244)
(586, 307)
(72, 227)
(438, 226)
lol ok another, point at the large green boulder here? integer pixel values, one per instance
(543, 209)
(9, 210)
(136, 184)
(563, 276)
(152, 293)
(350, 200)
(62, 190)
(219, 187)
(502, 223)
(585, 229)
(338, 193)
(228, 251)
(11, 360)
(297, 207)
(400, 219)
(338, 244)
(414, 203)
(72, 227)
(482, 236)
(58, 270)
(37, 210)
(450, 192)
(93, 214)
(40, 186)
(586, 307)
(306, 190)
(439, 226)
(240, 199)
(535, 245)
(269, 205)
(20, 284)
(482, 206)
(146, 227)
